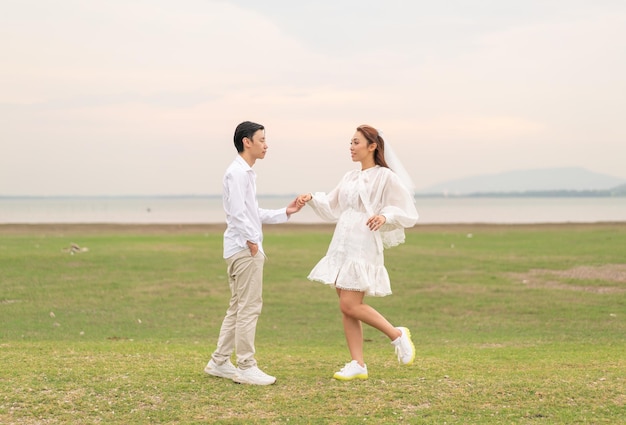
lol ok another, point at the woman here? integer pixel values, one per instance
(371, 207)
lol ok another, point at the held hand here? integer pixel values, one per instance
(294, 207)
(376, 221)
(303, 199)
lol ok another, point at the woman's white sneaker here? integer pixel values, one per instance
(253, 376)
(405, 350)
(225, 370)
(350, 371)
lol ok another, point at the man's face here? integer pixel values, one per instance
(257, 146)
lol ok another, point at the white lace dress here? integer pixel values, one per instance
(355, 260)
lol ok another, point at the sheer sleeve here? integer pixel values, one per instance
(326, 205)
(398, 206)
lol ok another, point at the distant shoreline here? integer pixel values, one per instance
(104, 228)
(205, 210)
(525, 194)
(533, 194)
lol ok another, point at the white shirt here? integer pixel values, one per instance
(244, 218)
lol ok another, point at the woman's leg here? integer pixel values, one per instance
(354, 312)
(354, 337)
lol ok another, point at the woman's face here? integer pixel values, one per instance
(359, 149)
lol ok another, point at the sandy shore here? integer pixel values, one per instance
(103, 228)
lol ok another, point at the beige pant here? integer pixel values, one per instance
(245, 277)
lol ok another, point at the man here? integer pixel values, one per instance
(244, 255)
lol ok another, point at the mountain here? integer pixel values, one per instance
(544, 179)
(619, 190)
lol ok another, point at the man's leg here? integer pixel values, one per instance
(248, 272)
(226, 339)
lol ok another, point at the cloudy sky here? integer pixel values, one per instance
(122, 97)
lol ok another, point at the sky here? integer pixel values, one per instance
(141, 97)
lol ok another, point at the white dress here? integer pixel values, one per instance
(354, 260)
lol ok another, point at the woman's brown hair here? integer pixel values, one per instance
(373, 136)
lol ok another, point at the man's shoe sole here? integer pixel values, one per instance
(243, 381)
(217, 374)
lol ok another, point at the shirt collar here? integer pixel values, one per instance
(243, 163)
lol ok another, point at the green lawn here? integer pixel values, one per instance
(512, 324)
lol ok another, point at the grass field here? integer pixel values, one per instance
(512, 324)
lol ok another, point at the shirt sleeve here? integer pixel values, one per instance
(273, 216)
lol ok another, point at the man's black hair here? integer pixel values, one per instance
(245, 129)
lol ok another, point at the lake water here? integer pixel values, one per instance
(204, 210)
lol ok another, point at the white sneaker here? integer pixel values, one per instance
(405, 350)
(253, 376)
(225, 370)
(350, 371)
